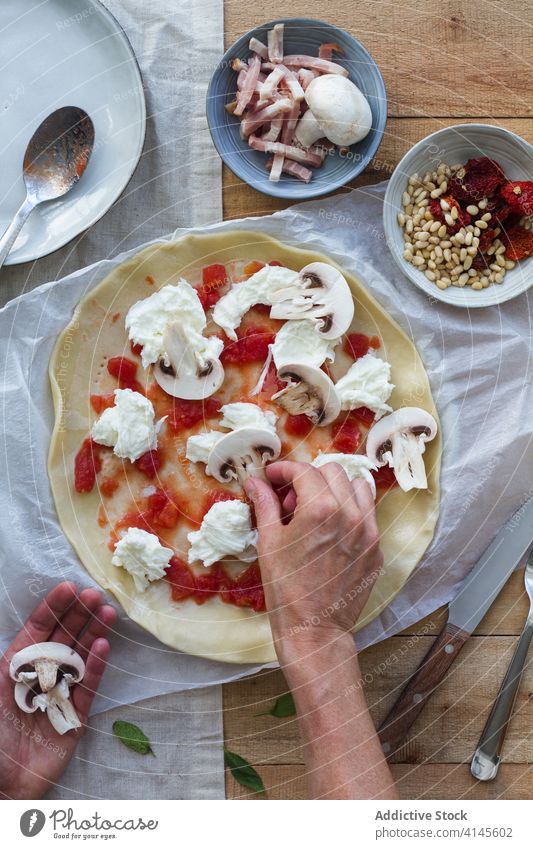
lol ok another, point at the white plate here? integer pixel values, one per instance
(66, 53)
(458, 144)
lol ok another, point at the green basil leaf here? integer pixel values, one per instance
(243, 772)
(132, 737)
(284, 707)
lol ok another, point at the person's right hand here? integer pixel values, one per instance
(318, 568)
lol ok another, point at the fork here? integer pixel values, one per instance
(486, 760)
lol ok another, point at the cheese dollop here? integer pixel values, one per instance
(298, 342)
(147, 321)
(142, 555)
(129, 427)
(244, 414)
(355, 466)
(226, 531)
(366, 384)
(200, 445)
(258, 289)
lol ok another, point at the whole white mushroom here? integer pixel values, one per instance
(337, 110)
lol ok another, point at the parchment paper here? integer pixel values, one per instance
(479, 366)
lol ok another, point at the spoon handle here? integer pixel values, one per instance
(8, 239)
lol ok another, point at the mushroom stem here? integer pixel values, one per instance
(406, 460)
(47, 670)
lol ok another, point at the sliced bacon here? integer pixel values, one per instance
(307, 157)
(231, 107)
(326, 51)
(294, 169)
(245, 94)
(289, 125)
(257, 118)
(258, 47)
(275, 43)
(272, 134)
(267, 89)
(276, 168)
(306, 76)
(314, 64)
(238, 65)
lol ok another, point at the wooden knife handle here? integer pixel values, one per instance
(419, 688)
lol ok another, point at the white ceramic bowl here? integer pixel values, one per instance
(458, 144)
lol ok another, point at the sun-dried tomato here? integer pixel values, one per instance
(486, 239)
(481, 179)
(463, 217)
(519, 196)
(519, 242)
(498, 209)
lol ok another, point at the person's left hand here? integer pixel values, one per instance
(32, 754)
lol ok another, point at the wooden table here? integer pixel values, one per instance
(443, 62)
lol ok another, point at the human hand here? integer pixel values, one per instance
(318, 568)
(32, 754)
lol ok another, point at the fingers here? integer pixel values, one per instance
(339, 484)
(84, 693)
(77, 617)
(42, 621)
(101, 621)
(266, 504)
(365, 502)
(307, 482)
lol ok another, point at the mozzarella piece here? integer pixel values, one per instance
(355, 466)
(242, 414)
(147, 321)
(199, 446)
(366, 384)
(298, 342)
(226, 531)
(129, 427)
(142, 555)
(258, 289)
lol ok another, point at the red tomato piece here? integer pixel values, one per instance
(87, 465)
(125, 371)
(346, 436)
(247, 590)
(181, 579)
(150, 463)
(356, 345)
(298, 425)
(99, 403)
(251, 346)
(214, 275)
(385, 478)
(108, 486)
(136, 349)
(185, 414)
(275, 262)
(253, 267)
(364, 415)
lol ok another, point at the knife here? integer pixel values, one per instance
(476, 594)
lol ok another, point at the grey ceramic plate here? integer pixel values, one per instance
(302, 35)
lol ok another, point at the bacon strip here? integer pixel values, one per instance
(276, 168)
(326, 51)
(306, 76)
(273, 132)
(239, 65)
(248, 87)
(289, 126)
(294, 169)
(314, 64)
(256, 119)
(275, 43)
(271, 83)
(258, 47)
(307, 157)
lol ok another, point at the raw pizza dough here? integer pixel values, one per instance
(78, 368)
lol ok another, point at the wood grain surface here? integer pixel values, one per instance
(444, 62)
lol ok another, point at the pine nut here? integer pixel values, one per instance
(446, 244)
(481, 224)
(444, 205)
(494, 266)
(498, 278)
(449, 219)
(472, 210)
(442, 231)
(418, 260)
(463, 280)
(434, 226)
(463, 255)
(454, 213)
(468, 238)
(409, 226)
(447, 254)
(401, 219)
(467, 263)
(509, 264)
(486, 217)
(442, 284)
(436, 193)
(406, 199)
(477, 285)
(430, 275)
(483, 203)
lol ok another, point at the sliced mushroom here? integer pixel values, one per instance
(43, 673)
(309, 392)
(56, 703)
(242, 453)
(47, 663)
(320, 294)
(182, 372)
(399, 440)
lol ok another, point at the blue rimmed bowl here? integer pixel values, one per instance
(302, 35)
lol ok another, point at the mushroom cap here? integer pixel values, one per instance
(180, 375)
(340, 108)
(47, 660)
(242, 452)
(311, 383)
(409, 419)
(321, 294)
(24, 697)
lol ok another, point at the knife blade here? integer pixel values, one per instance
(476, 594)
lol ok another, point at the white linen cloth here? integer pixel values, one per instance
(177, 183)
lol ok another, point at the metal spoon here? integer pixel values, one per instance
(56, 157)
(486, 760)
